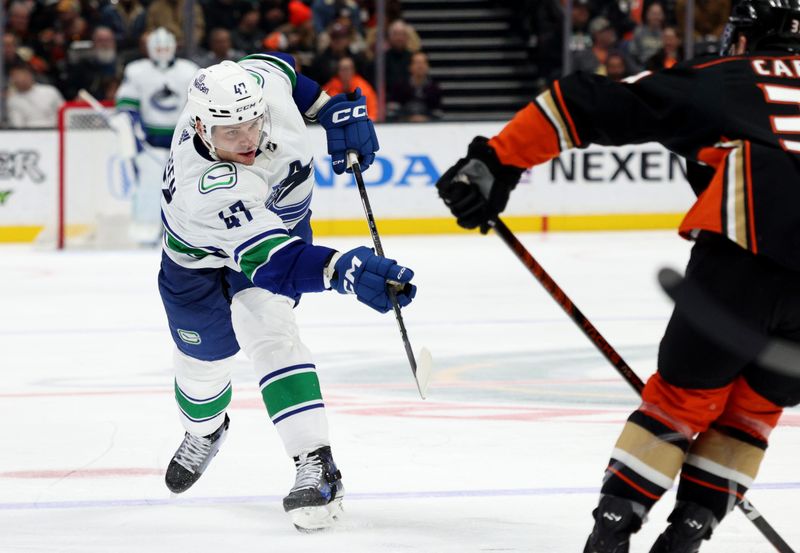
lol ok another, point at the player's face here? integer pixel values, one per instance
(238, 142)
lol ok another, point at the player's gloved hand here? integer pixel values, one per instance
(348, 127)
(365, 274)
(477, 187)
(127, 125)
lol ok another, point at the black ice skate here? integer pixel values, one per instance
(690, 524)
(615, 521)
(192, 458)
(315, 501)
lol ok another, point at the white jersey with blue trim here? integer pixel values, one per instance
(221, 213)
(158, 94)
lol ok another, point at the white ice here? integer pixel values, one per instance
(507, 453)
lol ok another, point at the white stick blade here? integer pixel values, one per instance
(424, 369)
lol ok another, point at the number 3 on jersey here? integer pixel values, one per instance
(784, 124)
(231, 220)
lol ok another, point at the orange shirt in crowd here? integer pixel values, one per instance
(335, 86)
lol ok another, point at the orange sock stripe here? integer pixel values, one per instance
(711, 486)
(575, 138)
(632, 484)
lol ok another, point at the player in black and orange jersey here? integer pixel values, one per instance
(706, 413)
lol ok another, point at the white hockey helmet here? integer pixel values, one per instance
(230, 105)
(161, 47)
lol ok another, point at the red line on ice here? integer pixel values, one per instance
(83, 473)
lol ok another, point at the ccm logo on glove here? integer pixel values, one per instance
(364, 274)
(345, 114)
(350, 276)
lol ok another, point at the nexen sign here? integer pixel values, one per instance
(604, 166)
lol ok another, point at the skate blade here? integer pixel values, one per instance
(317, 519)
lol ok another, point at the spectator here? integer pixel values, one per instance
(326, 62)
(327, 11)
(248, 36)
(616, 66)
(392, 15)
(127, 19)
(418, 98)
(398, 56)
(92, 68)
(19, 17)
(347, 80)
(604, 37)
(299, 13)
(296, 36)
(357, 43)
(710, 17)
(169, 14)
(69, 22)
(273, 15)
(647, 38)
(11, 55)
(30, 104)
(300, 36)
(581, 39)
(671, 52)
(220, 49)
(225, 13)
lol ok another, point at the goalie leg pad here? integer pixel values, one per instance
(267, 331)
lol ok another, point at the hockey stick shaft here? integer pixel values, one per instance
(613, 357)
(376, 240)
(102, 111)
(568, 306)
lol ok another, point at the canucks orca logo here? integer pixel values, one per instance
(165, 99)
(298, 174)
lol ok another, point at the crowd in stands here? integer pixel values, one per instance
(618, 38)
(54, 48)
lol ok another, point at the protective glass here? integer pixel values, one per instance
(240, 138)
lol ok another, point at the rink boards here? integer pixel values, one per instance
(633, 187)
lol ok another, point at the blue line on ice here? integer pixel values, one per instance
(154, 502)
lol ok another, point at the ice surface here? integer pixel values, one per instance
(507, 453)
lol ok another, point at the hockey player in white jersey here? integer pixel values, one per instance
(152, 95)
(238, 256)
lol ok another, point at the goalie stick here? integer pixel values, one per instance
(614, 357)
(421, 371)
(727, 329)
(130, 141)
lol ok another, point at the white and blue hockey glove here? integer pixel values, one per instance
(365, 274)
(348, 127)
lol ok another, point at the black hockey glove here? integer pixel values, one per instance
(477, 187)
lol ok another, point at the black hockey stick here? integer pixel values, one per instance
(613, 357)
(567, 305)
(727, 329)
(421, 372)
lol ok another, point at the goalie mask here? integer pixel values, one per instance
(229, 105)
(767, 24)
(161, 47)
